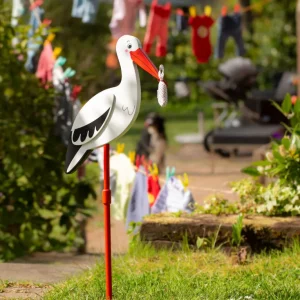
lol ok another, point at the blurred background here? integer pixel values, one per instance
(42, 208)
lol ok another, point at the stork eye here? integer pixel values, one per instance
(129, 46)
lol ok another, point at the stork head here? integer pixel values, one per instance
(132, 47)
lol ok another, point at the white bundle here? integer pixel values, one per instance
(162, 92)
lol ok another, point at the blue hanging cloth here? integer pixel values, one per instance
(138, 206)
(34, 43)
(85, 10)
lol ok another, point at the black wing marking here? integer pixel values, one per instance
(90, 128)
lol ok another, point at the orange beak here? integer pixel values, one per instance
(143, 60)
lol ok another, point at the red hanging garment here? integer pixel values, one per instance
(158, 27)
(153, 189)
(46, 64)
(202, 48)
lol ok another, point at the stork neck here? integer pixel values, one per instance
(130, 73)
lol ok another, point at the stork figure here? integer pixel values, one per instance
(110, 113)
(107, 116)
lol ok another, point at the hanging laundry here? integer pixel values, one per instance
(34, 43)
(46, 64)
(124, 17)
(230, 26)
(201, 44)
(63, 116)
(153, 188)
(18, 9)
(76, 101)
(58, 73)
(123, 170)
(173, 198)
(142, 15)
(138, 206)
(182, 21)
(86, 10)
(158, 28)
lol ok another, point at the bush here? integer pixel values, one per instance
(282, 196)
(40, 207)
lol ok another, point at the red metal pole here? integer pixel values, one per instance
(106, 199)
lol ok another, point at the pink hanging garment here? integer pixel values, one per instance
(158, 27)
(46, 64)
(124, 16)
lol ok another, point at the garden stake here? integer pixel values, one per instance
(106, 199)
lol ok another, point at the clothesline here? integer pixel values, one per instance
(242, 10)
(190, 186)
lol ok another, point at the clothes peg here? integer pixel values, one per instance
(193, 11)
(138, 161)
(179, 12)
(237, 8)
(207, 10)
(76, 91)
(120, 148)
(49, 38)
(170, 172)
(184, 181)
(69, 73)
(57, 51)
(153, 170)
(60, 61)
(46, 22)
(144, 163)
(224, 11)
(131, 156)
(35, 4)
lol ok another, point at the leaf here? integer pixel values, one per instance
(262, 163)
(297, 106)
(286, 104)
(286, 143)
(278, 107)
(200, 242)
(252, 171)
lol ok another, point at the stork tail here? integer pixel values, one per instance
(75, 156)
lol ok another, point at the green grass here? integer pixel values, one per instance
(148, 274)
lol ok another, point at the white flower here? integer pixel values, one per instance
(282, 150)
(206, 206)
(271, 204)
(294, 199)
(269, 156)
(288, 207)
(261, 208)
(260, 169)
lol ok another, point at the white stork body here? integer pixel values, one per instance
(110, 113)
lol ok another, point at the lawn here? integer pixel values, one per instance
(148, 274)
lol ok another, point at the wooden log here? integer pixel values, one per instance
(259, 232)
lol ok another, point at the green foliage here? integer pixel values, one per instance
(237, 231)
(273, 44)
(275, 199)
(282, 165)
(216, 205)
(40, 207)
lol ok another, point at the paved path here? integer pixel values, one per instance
(44, 269)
